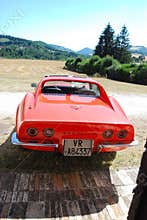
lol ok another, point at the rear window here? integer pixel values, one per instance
(71, 87)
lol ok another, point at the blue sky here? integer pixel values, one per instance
(73, 23)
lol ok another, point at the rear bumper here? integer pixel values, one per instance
(52, 147)
(117, 147)
(15, 141)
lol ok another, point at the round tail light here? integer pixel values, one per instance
(108, 133)
(122, 134)
(32, 131)
(48, 132)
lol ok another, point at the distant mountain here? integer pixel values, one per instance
(86, 51)
(57, 47)
(139, 50)
(13, 47)
(133, 49)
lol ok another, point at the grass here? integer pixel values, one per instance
(17, 76)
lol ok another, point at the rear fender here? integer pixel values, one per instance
(22, 109)
(116, 106)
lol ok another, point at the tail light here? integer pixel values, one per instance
(108, 133)
(122, 133)
(32, 131)
(48, 132)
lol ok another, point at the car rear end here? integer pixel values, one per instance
(75, 139)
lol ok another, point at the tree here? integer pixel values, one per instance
(106, 42)
(118, 46)
(122, 45)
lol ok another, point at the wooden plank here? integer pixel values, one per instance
(111, 212)
(9, 197)
(3, 196)
(58, 182)
(36, 182)
(125, 190)
(32, 182)
(123, 176)
(41, 177)
(25, 197)
(87, 179)
(7, 181)
(123, 206)
(16, 182)
(23, 182)
(5, 210)
(127, 200)
(47, 181)
(66, 182)
(35, 210)
(17, 196)
(132, 175)
(104, 215)
(115, 178)
(17, 210)
(33, 196)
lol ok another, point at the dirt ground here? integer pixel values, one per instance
(16, 77)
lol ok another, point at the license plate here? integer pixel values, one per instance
(77, 147)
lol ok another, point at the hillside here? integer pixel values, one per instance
(139, 50)
(86, 51)
(12, 47)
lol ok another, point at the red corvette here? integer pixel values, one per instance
(73, 116)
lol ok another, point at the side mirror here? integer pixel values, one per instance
(34, 85)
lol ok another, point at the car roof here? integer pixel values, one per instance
(60, 77)
(67, 75)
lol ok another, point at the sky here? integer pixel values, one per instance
(74, 24)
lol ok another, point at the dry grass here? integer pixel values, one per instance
(17, 75)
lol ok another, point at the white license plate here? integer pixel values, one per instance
(77, 147)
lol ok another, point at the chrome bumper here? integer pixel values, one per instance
(132, 144)
(15, 141)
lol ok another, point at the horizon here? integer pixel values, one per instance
(75, 24)
(66, 47)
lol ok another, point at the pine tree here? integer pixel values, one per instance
(121, 50)
(106, 42)
(118, 47)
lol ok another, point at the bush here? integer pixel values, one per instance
(109, 67)
(140, 74)
(123, 74)
(113, 70)
(94, 59)
(105, 64)
(97, 66)
(69, 64)
(85, 67)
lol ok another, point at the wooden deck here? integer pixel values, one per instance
(103, 194)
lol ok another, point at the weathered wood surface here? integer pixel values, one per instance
(103, 194)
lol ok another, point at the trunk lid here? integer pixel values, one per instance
(74, 108)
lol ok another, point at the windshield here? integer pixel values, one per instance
(71, 87)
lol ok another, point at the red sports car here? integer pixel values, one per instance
(72, 115)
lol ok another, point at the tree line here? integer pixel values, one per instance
(111, 59)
